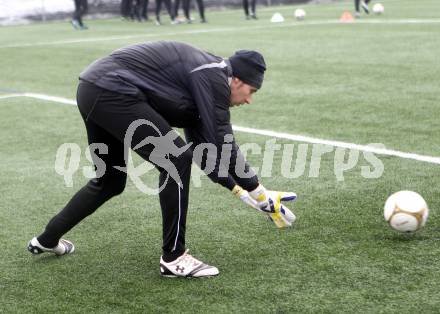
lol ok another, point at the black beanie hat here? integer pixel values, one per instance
(248, 66)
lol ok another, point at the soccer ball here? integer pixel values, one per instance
(406, 211)
(378, 8)
(300, 14)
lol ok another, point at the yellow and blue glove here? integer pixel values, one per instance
(269, 202)
(244, 196)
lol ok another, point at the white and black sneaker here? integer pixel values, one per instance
(187, 266)
(63, 247)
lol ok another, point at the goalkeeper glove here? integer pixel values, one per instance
(270, 203)
(244, 196)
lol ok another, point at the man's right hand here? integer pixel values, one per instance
(244, 196)
(270, 202)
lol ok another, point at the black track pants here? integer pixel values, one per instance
(246, 7)
(107, 116)
(168, 6)
(81, 7)
(357, 3)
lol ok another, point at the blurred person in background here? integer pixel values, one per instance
(363, 4)
(186, 10)
(81, 7)
(135, 13)
(126, 7)
(144, 10)
(176, 8)
(159, 8)
(252, 13)
(201, 7)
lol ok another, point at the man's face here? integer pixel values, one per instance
(241, 93)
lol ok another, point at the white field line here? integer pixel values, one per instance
(51, 98)
(364, 148)
(280, 135)
(10, 96)
(217, 30)
(56, 99)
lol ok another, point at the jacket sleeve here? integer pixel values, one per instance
(211, 93)
(241, 171)
(238, 170)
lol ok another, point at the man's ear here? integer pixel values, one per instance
(237, 81)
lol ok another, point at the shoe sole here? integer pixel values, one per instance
(165, 272)
(34, 249)
(174, 276)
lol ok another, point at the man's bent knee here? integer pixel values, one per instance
(111, 184)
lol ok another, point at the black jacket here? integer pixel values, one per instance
(187, 86)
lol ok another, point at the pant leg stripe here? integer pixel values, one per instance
(178, 222)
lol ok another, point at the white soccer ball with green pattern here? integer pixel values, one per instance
(406, 211)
